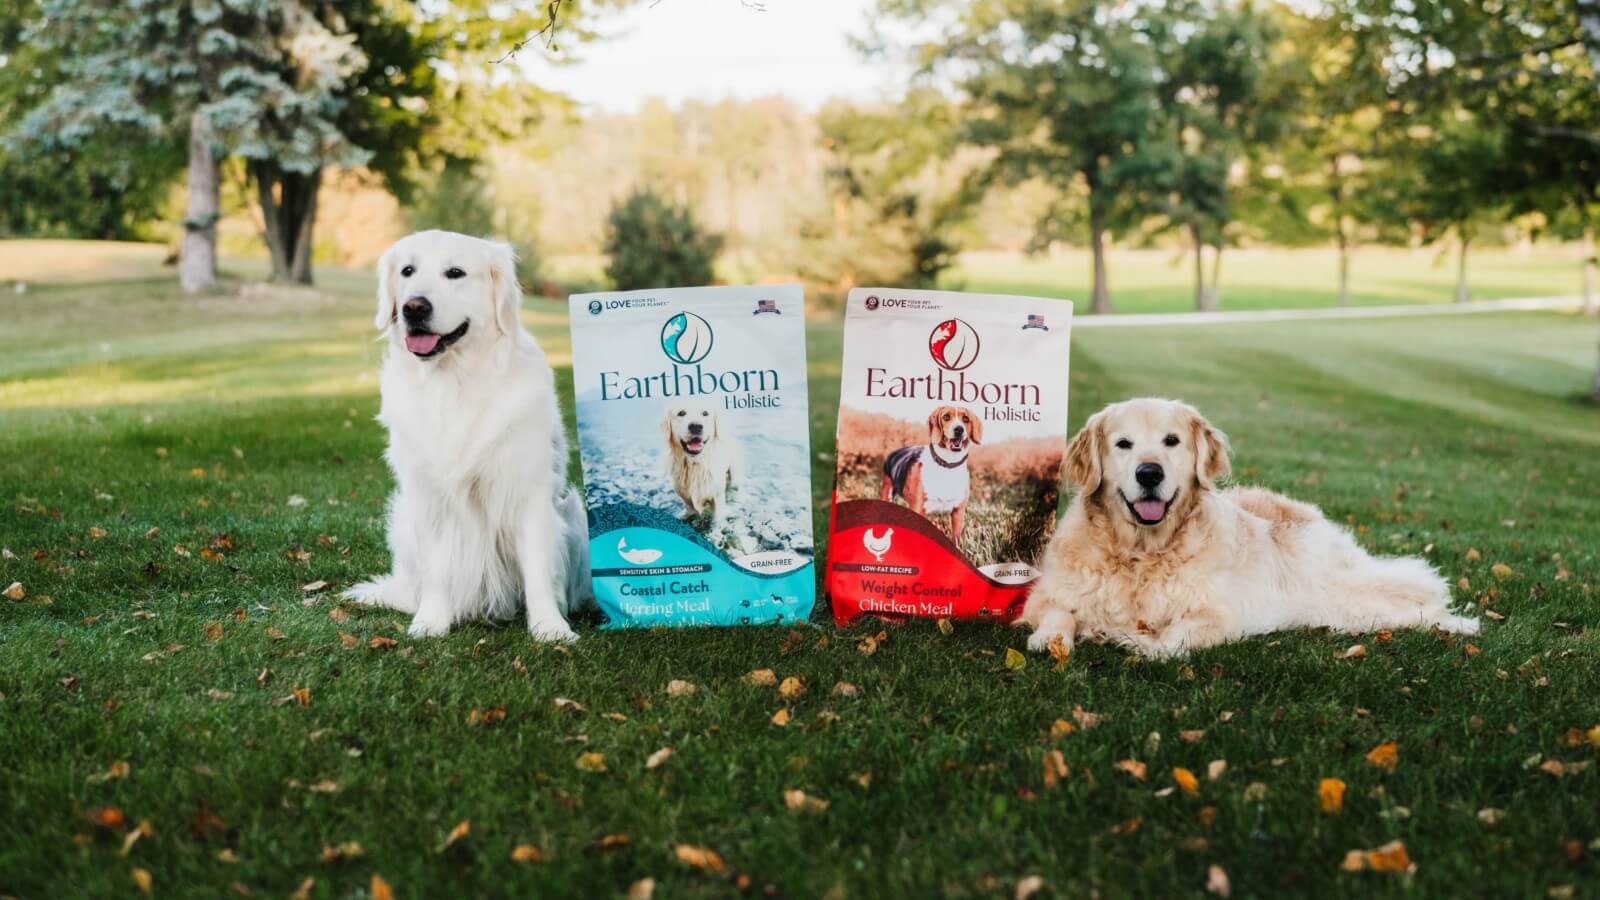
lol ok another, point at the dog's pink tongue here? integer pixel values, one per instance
(422, 343)
(1150, 510)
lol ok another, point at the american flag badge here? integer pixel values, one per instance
(767, 306)
(1035, 322)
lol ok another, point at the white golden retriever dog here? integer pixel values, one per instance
(481, 520)
(1152, 556)
(701, 460)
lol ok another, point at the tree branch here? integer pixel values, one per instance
(548, 32)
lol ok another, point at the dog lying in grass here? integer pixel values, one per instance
(481, 521)
(1154, 557)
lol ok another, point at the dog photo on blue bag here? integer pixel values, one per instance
(692, 431)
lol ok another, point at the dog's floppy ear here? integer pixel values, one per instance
(976, 434)
(716, 425)
(1083, 455)
(933, 425)
(507, 293)
(666, 428)
(386, 286)
(1211, 449)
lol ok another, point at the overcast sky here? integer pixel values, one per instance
(711, 49)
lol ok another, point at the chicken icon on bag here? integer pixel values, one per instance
(875, 545)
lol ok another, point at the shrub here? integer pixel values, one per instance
(654, 243)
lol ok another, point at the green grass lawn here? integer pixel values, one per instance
(174, 473)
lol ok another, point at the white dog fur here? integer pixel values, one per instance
(482, 519)
(701, 459)
(1214, 565)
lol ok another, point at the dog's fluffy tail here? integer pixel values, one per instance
(580, 590)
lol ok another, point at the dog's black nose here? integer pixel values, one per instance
(696, 428)
(417, 309)
(961, 431)
(1149, 474)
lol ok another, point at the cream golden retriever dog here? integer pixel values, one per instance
(481, 520)
(701, 460)
(1153, 556)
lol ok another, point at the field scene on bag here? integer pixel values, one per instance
(1014, 485)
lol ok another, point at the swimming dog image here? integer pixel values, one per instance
(701, 460)
(932, 478)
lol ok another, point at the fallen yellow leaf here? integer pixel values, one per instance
(658, 757)
(869, 645)
(302, 695)
(1354, 651)
(1217, 882)
(846, 689)
(1060, 728)
(800, 801)
(1055, 769)
(592, 762)
(1385, 756)
(643, 889)
(1473, 555)
(462, 829)
(791, 688)
(1391, 857)
(761, 678)
(1027, 887)
(1059, 651)
(1085, 720)
(781, 718)
(680, 688)
(16, 591)
(1501, 570)
(1330, 796)
(379, 889)
(141, 878)
(1185, 779)
(699, 858)
(1133, 767)
(527, 853)
(1015, 659)
(382, 643)
(1215, 769)
(946, 627)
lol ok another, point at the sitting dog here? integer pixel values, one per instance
(482, 519)
(701, 460)
(932, 478)
(1153, 556)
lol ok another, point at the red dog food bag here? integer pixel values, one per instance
(952, 429)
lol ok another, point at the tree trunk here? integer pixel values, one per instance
(197, 255)
(1344, 265)
(1463, 293)
(1200, 302)
(1589, 303)
(1594, 386)
(1214, 291)
(288, 214)
(1101, 303)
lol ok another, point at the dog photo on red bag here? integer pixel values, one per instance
(952, 428)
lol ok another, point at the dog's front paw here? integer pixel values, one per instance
(552, 631)
(427, 626)
(1040, 641)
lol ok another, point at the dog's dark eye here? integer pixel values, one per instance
(1124, 444)
(682, 413)
(407, 271)
(454, 272)
(704, 413)
(947, 417)
(1171, 441)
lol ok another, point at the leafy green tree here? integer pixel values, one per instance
(655, 243)
(1068, 93)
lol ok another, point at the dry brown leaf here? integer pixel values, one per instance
(380, 889)
(846, 689)
(1027, 887)
(1473, 555)
(1217, 881)
(382, 643)
(302, 695)
(658, 757)
(680, 688)
(1132, 767)
(1330, 796)
(1055, 769)
(349, 641)
(1086, 720)
(699, 858)
(761, 677)
(118, 769)
(791, 688)
(339, 614)
(1185, 779)
(612, 842)
(1060, 728)
(591, 762)
(1059, 651)
(1385, 756)
(1391, 857)
(142, 879)
(800, 801)
(1192, 735)
(16, 591)
(643, 889)
(1127, 828)
(1215, 769)
(1501, 570)
(213, 631)
(275, 634)
(341, 852)
(946, 627)
(96, 532)
(781, 717)
(562, 703)
(303, 892)
(144, 830)
(1354, 651)
(869, 645)
(527, 853)
(313, 587)
(1490, 816)
(107, 817)
(462, 829)
(1016, 660)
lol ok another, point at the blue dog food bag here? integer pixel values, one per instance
(692, 430)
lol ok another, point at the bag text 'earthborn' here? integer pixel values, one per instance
(692, 430)
(952, 428)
